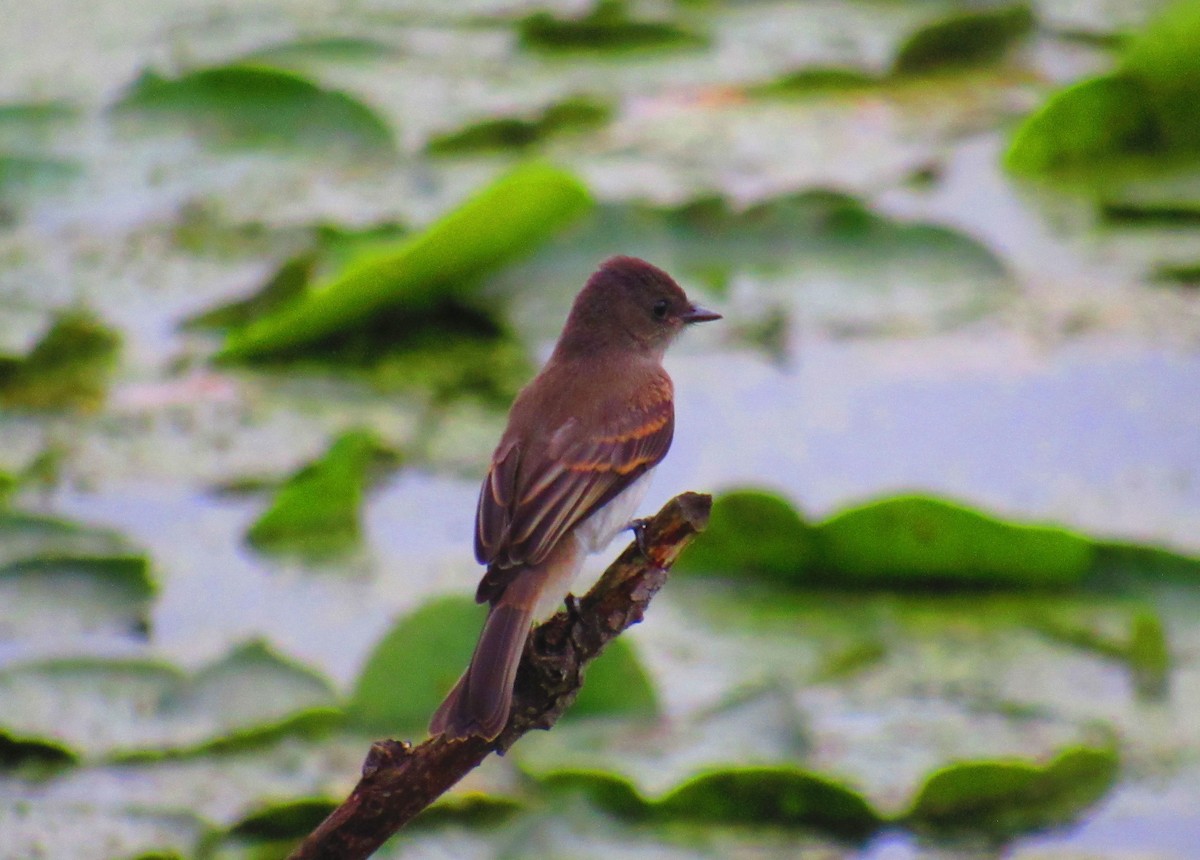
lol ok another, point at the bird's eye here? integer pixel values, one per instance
(660, 309)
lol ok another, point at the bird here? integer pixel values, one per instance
(572, 466)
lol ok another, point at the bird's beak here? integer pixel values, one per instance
(696, 314)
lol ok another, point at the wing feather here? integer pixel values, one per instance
(528, 503)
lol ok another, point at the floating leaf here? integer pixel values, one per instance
(339, 49)
(771, 795)
(446, 260)
(1187, 275)
(448, 350)
(815, 80)
(24, 173)
(292, 819)
(1123, 562)
(850, 661)
(832, 247)
(969, 37)
(783, 796)
(286, 285)
(1146, 107)
(1165, 60)
(317, 511)
(67, 368)
(574, 114)
(608, 791)
(449, 357)
(414, 666)
(255, 105)
(616, 684)
(1150, 657)
(59, 579)
(756, 532)
(32, 754)
(900, 541)
(1097, 118)
(1005, 798)
(134, 708)
(35, 117)
(471, 809)
(607, 27)
(913, 539)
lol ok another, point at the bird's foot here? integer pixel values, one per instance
(638, 527)
(574, 614)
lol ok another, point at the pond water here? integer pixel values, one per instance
(901, 316)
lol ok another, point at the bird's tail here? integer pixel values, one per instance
(480, 701)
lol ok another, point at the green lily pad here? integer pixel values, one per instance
(449, 350)
(783, 796)
(1097, 118)
(35, 117)
(414, 666)
(616, 684)
(469, 809)
(135, 708)
(1005, 798)
(335, 49)
(901, 541)
(1144, 109)
(573, 114)
(317, 511)
(31, 537)
(246, 104)
(58, 578)
(286, 285)
(8, 485)
(859, 657)
(45, 599)
(1120, 563)
(1165, 59)
(756, 532)
(34, 754)
(1145, 651)
(25, 173)
(293, 819)
(67, 369)
(1187, 275)
(1150, 657)
(919, 540)
(818, 79)
(607, 791)
(444, 261)
(969, 37)
(825, 248)
(607, 27)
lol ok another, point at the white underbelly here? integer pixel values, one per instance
(592, 535)
(598, 530)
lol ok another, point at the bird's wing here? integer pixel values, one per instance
(530, 499)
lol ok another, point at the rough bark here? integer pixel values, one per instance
(400, 780)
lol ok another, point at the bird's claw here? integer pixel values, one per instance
(638, 527)
(574, 613)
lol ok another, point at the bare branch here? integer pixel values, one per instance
(399, 780)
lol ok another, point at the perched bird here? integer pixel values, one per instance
(570, 470)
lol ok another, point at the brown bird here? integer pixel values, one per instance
(570, 470)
